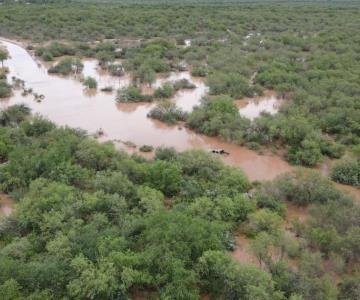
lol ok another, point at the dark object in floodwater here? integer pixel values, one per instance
(37, 97)
(220, 151)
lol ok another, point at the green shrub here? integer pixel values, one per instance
(66, 66)
(14, 115)
(5, 89)
(146, 148)
(165, 91)
(253, 146)
(167, 112)
(132, 94)
(305, 187)
(264, 220)
(183, 84)
(90, 82)
(47, 56)
(347, 171)
(199, 71)
(116, 70)
(235, 85)
(219, 117)
(165, 153)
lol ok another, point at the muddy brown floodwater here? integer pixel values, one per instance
(68, 103)
(252, 108)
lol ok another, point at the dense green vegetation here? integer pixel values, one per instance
(240, 49)
(92, 222)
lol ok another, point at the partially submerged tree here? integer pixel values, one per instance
(4, 55)
(90, 82)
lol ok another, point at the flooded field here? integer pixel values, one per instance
(68, 103)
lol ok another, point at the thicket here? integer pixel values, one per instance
(91, 221)
(85, 208)
(319, 247)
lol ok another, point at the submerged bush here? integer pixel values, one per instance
(199, 71)
(116, 70)
(131, 94)
(90, 82)
(14, 115)
(167, 112)
(146, 148)
(66, 66)
(165, 91)
(183, 84)
(5, 89)
(3, 72)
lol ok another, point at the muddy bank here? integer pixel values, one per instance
(242, 252)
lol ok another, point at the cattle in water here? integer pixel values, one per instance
(219, 151)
